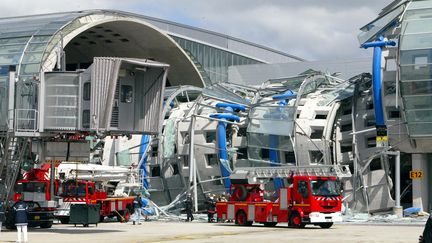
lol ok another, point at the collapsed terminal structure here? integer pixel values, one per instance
(184, 106)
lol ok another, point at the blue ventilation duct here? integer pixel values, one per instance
(376, 77)
(142, 152)
(221, 136)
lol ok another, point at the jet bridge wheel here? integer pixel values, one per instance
(241, 219)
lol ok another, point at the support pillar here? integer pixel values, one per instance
(420, 186)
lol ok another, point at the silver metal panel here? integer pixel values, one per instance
(231, 212)
(61, 102)
(113, 206)
(251, 213)
(283, 199)
(120, 205)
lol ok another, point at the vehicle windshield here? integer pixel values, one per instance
(74, 189)
(325, 188)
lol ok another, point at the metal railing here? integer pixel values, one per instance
(26, 120)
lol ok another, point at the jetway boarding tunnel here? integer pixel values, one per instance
(114, 95)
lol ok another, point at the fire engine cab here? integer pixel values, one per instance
(309, 195)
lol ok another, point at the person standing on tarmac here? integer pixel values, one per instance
(211, 208)
(137, 204)
(188, 206)
(20, 209)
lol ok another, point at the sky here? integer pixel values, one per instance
(310, 29)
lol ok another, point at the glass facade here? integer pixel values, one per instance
(212, 62)
(415, 61)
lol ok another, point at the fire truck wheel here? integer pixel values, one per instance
(241, 219)
(296, 221)
(270, 224)
(46, 225)
(325, 225)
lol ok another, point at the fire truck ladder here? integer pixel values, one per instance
(12, 156)
(256, 173)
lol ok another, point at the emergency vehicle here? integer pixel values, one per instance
(35, 188)
(86, 192)
(310, 195)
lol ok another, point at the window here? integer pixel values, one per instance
(210, 137)
(346, 127)
(375, 164)
(420, 61)
(126, 94)
(175, 169)
(371, 142)
(265, 154)
(242, 153)
(325, 188)
(242, 132)
(345, 148)
(86, 119)
(211, 159)
(215, 181)
(185, 160)
(370, 122)
(290, 157)
(87, 91)
(316, 134)
(185, 137)
(303, 188)
(321, 116)
(316, 157)
(393, 113)
(155, 171)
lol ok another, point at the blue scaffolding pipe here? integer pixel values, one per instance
(142, 152)
(376, 76)
(289, 94)
(235, 107)
(221, 136)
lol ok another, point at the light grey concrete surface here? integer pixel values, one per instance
(156, 231)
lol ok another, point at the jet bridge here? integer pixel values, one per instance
(114, 95)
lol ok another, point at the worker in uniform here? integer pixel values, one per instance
(137, 204)
(188, 206)
(211, 208)
(426, 237)
(20, 209)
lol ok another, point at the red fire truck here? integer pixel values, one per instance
(310, 195)
(85, 192)
(35, 190)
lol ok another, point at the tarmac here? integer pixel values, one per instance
(177, 231)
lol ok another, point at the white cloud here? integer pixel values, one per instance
(313, 30)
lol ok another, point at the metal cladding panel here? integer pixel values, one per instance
(231, 210)
(283, 198)
(148, 108)
(251, 212)
(61, 101)
(104, 80)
